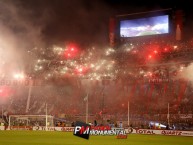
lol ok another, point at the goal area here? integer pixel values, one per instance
(31, 120)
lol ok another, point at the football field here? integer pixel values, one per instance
(64, 138)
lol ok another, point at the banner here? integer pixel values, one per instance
(162, 132)
(15, 82)
(185, 116)
(127, 130)
(19, 128)
(43, 128)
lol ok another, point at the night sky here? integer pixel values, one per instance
(47, 22)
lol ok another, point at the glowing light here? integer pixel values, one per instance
(92, 65)
(57, 50)
(181, 68)
(141, 72)
(175, 47)
(80, 69)
(149, 74)
(71, 51)
(40, 67)
(165, 49)
(109, 51)
(19, 76)
(90, 53)
(5, 91)
(49, 75)
(150, 56)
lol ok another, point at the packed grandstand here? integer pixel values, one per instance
(149, 89)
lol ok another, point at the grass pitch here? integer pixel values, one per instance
(64, 138)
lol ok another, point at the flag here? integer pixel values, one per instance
(112, 27)
(178, 33)
(179, 24)
(168, 116)
(86, 97)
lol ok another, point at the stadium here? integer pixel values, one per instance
(141, 82)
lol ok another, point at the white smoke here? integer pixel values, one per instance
(187, 73)
(20, 31)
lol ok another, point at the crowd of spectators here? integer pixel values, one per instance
(148, 102)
